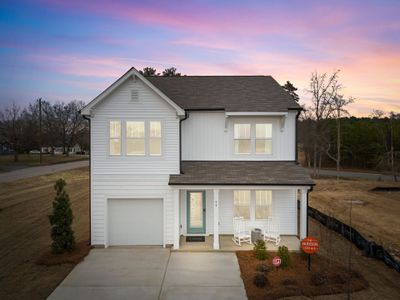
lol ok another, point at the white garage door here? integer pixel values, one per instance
(135, 222)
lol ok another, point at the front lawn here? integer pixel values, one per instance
(325, 277)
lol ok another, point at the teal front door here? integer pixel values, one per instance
(196, 212)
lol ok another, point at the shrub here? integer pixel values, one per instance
(283, 253)
(260, 250)
(319, 278)
(289, 281)
(260, 280)
(263, 267)
(61, 220)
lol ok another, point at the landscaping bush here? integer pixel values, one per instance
(283, 253)
(319, 278)
(61, 220)
(289, 281)
(260, 250)
(260, 280)
(264, 268)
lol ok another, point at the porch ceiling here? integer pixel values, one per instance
(241, 173)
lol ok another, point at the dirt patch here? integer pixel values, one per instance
(25, 232)
(74, 257)
(325, 278)
(375, 215)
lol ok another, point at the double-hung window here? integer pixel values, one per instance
(135, 138)
(264, 138)
(242, 138)
(263, 204)
(241, 202)
(155, 138)
(115, 138)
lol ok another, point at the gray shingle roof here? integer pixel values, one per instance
(241, 173)
(231, 93)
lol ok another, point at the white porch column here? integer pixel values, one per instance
(216, 219)
(177, 224)
(303, 214)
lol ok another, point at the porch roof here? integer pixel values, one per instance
(241, 173)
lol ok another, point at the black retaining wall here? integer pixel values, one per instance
(369, 248)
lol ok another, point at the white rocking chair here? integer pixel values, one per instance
(271, 232)
(240, 235)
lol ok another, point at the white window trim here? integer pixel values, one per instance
(147, 155)
(253, 204)
(161, 138)
(250, 210)
(110, 138)
(252, 138)
(135, 138)
(263, 139)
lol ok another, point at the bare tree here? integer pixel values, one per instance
(12, 128)
(338, 111)
(323, 88)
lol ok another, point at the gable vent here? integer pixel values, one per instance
(135, 95)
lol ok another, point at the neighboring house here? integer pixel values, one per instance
(173, 156)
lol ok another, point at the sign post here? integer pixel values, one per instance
(310, 246)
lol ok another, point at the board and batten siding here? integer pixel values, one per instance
(205, 136)
(284, 209)
(127, 177)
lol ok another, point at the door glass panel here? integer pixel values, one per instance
(196, 210)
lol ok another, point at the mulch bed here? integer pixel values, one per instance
(325, 278)
(50, 259)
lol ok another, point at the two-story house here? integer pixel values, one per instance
(178, 156)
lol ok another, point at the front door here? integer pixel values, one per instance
(196, 212)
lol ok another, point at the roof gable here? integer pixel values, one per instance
(131, 72)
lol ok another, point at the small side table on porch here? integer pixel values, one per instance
(255, 235)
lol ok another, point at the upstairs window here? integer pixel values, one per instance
(135, 138)
(242, 138)
(263, 204)
(241, 202)
(155, 138)
(115, 137)
(264, 138)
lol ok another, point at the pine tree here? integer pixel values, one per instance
(61, 220)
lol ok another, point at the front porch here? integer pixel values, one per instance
(226, 244)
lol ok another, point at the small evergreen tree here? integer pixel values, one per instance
(283, 253)
(260, 250)
(61, 220)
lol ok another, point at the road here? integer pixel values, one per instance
(42, 170)
(347, 174)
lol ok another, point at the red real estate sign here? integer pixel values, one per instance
(310, 245)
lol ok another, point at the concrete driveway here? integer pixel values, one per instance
(153, 273)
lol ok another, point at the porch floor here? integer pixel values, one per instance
(226, 244)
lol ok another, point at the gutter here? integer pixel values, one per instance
(296, 134)
(308, 191)
(90, 181)
(180, 141)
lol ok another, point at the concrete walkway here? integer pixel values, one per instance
(42, 170)
(153, 273)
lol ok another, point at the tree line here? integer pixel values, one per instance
(330, 136)
(42, 123)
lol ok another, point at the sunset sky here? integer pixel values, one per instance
(65, 50)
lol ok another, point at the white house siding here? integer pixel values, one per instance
(131, 176)
(284, 209)
(204, 137)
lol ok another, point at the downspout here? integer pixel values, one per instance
(297, 129)
(308, 191)
(180, 141)
(90, 181)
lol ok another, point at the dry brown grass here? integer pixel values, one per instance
(374, 214)
(25, 232)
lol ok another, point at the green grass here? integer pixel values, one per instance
(32, 160)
